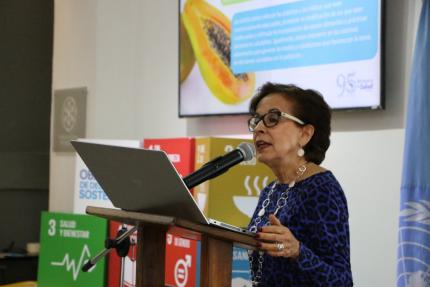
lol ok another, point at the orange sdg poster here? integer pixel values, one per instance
(181, 253)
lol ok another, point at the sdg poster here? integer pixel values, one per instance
(68, 241)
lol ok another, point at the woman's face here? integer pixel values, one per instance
(277, 146)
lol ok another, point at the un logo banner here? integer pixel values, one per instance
(413, 266)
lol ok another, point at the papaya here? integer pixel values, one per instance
(187, 59)
(210, 32)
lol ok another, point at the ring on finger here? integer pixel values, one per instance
(280, 246)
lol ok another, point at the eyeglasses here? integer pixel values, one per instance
(270, 119)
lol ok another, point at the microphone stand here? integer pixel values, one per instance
(121, 244)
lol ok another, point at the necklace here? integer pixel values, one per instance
(280, 203)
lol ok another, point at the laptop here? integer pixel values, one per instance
(137, 179)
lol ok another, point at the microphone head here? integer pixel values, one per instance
(247, 149)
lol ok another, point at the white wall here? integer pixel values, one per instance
(125, 52)
(368, 165)
(73, 66)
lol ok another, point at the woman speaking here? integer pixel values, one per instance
(301, 218)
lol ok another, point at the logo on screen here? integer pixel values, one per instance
(350, 83)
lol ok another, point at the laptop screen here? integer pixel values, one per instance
(137, 179)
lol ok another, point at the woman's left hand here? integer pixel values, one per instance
(277, 240)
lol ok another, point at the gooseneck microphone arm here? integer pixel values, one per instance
(210, 170)
(244, 152)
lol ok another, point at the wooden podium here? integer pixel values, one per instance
(216, 245)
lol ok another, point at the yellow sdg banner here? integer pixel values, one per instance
(232, 196)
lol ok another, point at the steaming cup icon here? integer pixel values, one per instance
(246, 204)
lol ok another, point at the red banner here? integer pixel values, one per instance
(181, 253)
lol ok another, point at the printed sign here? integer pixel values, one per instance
(68, 241)
(126, 265)
(181, 254)
(179, 150)
(181, 261)
(69, 117)
(241, 275)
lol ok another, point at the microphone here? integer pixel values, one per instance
(244, 152)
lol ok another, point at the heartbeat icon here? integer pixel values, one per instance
(70, 264)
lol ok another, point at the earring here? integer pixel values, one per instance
(300, 152)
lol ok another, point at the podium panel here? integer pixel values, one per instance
(216, 245)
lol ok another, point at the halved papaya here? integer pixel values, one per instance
(210, 33)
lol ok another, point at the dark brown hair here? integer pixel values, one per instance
(310, 107)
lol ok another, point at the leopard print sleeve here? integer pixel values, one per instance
(325, 250)
(316, 213)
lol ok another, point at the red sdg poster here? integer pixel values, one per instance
(125, 266)
(181, 253)
(181, 261)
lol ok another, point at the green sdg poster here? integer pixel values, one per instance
(67, 242)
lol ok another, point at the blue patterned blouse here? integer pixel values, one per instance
(317, 214)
